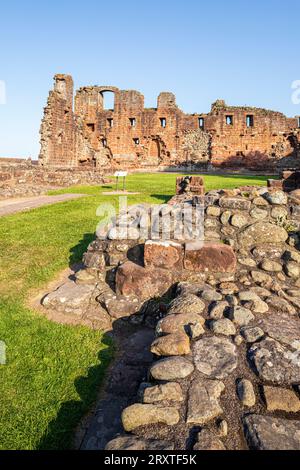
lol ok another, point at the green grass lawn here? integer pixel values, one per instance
(53, 371)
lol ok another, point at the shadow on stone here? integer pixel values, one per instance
(192, 439)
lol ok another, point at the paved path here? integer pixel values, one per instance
(122, 383)
(11, 206)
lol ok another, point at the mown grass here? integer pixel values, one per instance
(53, 371)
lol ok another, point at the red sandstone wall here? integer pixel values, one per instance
(91, 136)
(58, 126)
(266, 141)
(27, 178)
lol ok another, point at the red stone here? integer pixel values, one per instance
(209, 257)
(278, 184)
(163, 254)
(144, 283)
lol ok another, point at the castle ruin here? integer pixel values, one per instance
(132, 137)
(82, 140)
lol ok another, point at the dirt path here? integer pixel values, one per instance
(12, 206)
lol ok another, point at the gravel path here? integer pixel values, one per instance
(12, 206)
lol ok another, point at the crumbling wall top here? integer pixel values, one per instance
(166, 100)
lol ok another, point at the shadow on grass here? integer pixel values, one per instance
(77, 252)
(60, 433)
(162, 197)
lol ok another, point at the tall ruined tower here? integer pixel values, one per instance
(58, 127)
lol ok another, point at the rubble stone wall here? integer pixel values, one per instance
(239, 219)
(27, 178)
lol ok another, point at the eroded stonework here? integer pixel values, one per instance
(130, 136)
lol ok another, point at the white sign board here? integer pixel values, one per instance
(121, 174)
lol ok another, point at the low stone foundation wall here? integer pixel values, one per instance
(27, 178)
(241, 232)
(224, 311)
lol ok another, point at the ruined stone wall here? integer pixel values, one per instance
(58, 127)
(130, 136)
(27, 178)
(240, 218)
(251, 137)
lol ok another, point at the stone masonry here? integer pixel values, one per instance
(130, 136)
(220, 367)
(27, 178)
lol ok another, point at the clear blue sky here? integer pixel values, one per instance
(246, 52)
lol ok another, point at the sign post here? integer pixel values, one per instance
(121, 174)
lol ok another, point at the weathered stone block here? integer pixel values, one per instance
(269, 433)
(163, 254)
(174, 344)
(261, 233)
(132, 279)
(210, 257)
(139, 415)
(203, 405)
(235, 203)
(70, 298)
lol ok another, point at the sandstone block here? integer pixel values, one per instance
(139, 415)
(211, 257)
(175, 344)
(281, 399)
(132, 279)
(163, 254)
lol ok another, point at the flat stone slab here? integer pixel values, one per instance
(144, 283)
(203, 404)
(128, 443)
(276, 363)
(123, 381)
(282, 399)
(172, 368)
(70, 298)
(268, 433)
(184, 304)
(215, 357)
(283, 328)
